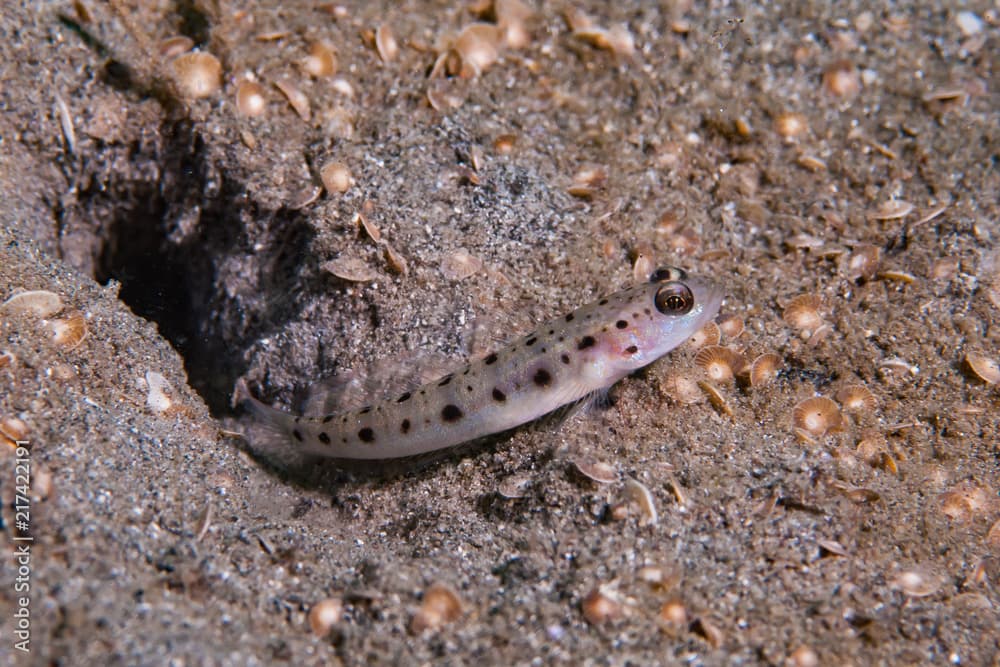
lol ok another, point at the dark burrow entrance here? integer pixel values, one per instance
(165, 243)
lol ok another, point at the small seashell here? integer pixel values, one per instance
(842, 79)
(832, 547)
(856, 398)
(587, 181)
(673, 614)
(965, 501)
(14, 429)
(599, 607)
(69, 331)
(504, 144)
(197, 74)
(871, 448)
(811, 162)
(271, 35)
(819, 335)
(40, 303)
(395, 261)
(296, 98)
(682, 389)
(512, 17)
(7, 358)
(707, 335)
(804, 242)
(720, 364)
(321, 61)
(917, 583)
(764, 369)
(158, 398)
(478, 46)
(643, 266)
(325, 615)
(460, 265)
(305, 196)
(708, 631)
(171, 47)
(659, 578)
(817, 416)
(250, 100)
(349, 268)
(863, 262)
(715, 397)
(930, 215)
(983, 367)
(597, 471)
(803, 656)
(732, 326)
(336, 178)
(897, 276)
(41, 483)
(679, 495)
(440, 606)
(790, 125)
(804, 437)
(637, 493)
(248, 139)
(804, 312)
(894, 209)
(515, 486)
(386, 44)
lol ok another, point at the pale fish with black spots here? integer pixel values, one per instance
(562, 361)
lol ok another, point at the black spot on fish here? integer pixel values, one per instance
(585, 342)
(451, 413)
(565, 358)
(498, 395)
(366, 435)
(531, 341)
(602, 302)
(404, 398)
(297, 434)
(467, 369)
(324, 438)
(327, 419)
(365, 410)
(569, 317)
(621, 324)
(444, 381)
(405, 426)
(491, 359)
(632, 349)
(468, 387)
(551, 331)
(542, 378)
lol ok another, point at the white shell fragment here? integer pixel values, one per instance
(158, 399)
(637, 492)
(40, 303)
(350, 268)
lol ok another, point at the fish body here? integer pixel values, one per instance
(562, 361)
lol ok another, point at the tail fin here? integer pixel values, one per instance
(269, 432)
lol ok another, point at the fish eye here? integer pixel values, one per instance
(674, 298)
(667, 273)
